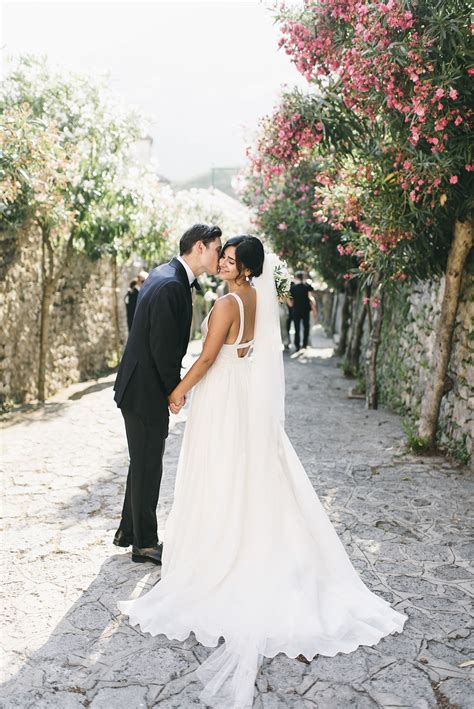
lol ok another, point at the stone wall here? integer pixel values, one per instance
(81, 330)
(406, 351)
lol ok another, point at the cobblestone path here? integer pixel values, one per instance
(404, 521)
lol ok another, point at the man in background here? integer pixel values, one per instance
(132, 296)
(302, 302)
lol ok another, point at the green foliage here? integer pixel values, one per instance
(348, 369)
(34, 170)
(414, 442)
(361, 382)
(457, 449)
(6, 405)
(67, 156)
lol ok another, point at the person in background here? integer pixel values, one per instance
(289, 320)
(130, 301)
(302, 302)
(132, 296)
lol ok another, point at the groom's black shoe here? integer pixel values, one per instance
(120, 540)
(152, 554)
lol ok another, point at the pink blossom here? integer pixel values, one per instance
(453, 94)
(453, 179)
(282, 226)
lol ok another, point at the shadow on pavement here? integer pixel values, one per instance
(90, 390)
(31, 413)
(93, 650)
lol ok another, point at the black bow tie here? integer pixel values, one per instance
(195, 284)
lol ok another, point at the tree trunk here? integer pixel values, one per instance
(356, 340)
(346, 306)
(47, 295)
(53, 268)
(371, 355)
(352, 320)
(335, 302)
(115, 308)
(434, 389)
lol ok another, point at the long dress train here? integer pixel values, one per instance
(250, 554)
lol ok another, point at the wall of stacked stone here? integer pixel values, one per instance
(406, 353)
(81, 339)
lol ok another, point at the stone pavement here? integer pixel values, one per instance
(403, 520)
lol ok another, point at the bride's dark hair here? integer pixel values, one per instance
(248, 253)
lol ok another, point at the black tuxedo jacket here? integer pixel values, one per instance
(158, 340)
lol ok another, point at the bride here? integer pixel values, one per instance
(250, 554)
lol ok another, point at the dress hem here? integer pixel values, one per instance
(212, 641)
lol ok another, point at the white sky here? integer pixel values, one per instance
(203, 71)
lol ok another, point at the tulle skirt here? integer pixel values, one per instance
(250, 554)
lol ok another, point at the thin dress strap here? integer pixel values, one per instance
(238, 344)
(241, 313)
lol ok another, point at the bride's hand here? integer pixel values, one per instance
(176, 402)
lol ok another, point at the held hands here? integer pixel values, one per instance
(176, 401)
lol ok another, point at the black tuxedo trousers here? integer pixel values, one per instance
(298, 319)
(146, 445)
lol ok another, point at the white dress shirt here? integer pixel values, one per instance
(190, 274)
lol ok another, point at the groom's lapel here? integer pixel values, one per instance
(183, 277)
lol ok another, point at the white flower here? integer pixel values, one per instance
(282, 277)
(209, 295)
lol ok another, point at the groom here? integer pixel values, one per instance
(148, 373)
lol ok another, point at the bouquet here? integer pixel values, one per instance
(283, 279)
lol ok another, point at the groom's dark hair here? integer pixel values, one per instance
(198, 232)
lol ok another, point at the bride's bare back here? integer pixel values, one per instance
(248, 298)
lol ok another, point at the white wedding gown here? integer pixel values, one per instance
(249, 552)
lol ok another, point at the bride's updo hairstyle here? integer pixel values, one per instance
(248, 254)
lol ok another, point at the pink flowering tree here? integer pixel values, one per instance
(285, 167)
(284, 212)
(405, 204)
(298, 182)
